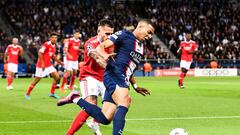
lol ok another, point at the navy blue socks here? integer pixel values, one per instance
(119, 120)
(93, 111)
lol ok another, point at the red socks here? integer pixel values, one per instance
(54, 85)
(77, 122)
(72, 82)
(182, 75)
(30, 88)
(9, 80)
(64, 80)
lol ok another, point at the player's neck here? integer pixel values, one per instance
(135, 33)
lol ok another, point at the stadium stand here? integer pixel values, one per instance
(214, 24)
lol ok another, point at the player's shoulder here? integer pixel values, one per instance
(74, 40)
(192, 41)
(10, 46)
(121, 33)
(92, 41)
(182, 42)
(47, 43)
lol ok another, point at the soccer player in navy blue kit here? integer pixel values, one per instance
(129, 51)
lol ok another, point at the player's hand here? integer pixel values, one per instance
(43, 67)
(5, 61)
(62, 63)
(110, 56)
(142, 91)
(178, 51)
(70, 56)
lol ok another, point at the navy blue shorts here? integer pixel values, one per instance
(111, 80)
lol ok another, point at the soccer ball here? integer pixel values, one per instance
(178, 131)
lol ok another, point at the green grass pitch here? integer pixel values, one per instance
(207, 106)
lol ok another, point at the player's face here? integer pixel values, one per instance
(15, 41)
(53, 39)
(76, 35)
(188, 36)
(104, 32)
(146, 32)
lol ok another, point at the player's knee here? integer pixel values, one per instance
(106, 122)
(129, 99)
(126, 101)
(91, 99)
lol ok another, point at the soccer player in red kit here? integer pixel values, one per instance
(11, 55)
(91, 76)
(72, 49)
(44, 67)
(187, 49)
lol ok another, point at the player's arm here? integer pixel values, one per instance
(195, 49)
(21, 51)
(179, 50)
(40, 56)
(5, 58)
(139, 90)
(101, 49)
(57, 60)
(98, 58)
(65, 49)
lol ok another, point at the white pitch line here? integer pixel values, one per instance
(25, 122)
(185, 118)
(136, 119)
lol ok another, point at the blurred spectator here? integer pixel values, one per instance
(213, 64)
(147, 68)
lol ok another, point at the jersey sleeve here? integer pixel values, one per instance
(116, 37)
(89, 47)
(181, 45)
(66, 44)
(43, 48)
(6, 51)
(195, 47)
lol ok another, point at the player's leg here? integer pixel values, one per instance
(32, 85)
(39, 73)
(90, 89)
(103, 116)
(82, 116)
(9, 80)
(74, 74)
(65, 79)
(12, 69)
(183, 64)
(56, 78)
(122, 99)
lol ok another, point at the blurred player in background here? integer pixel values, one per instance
(11, 55)
(72, 50)
(91, 76)
(44, 66)
(187, 49)
(118, 73)
(61, 56)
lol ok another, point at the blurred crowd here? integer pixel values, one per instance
(214, 25)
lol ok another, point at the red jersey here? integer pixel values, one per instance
(91, 67)
(48, 51)
(73, 48)
(13, 52)
(187, 47)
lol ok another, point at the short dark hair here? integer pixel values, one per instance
(148, 21)
(76, 31)
(106, 22)
(53, 34)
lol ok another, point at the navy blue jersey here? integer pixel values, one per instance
(129, 52)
